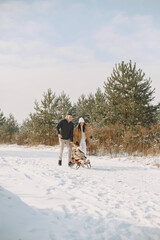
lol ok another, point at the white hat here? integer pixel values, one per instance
(81, 120)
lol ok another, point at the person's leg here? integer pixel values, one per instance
(69, 146)
(83, 146)
(62, 143)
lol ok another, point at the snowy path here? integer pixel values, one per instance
(118, 199)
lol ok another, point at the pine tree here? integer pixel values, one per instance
(158, 116)
(8, 128)
(129, 96)
(92, 108)
(11, 127)
(2, 118)
(82, 108)
(44, 118)
(26, 132)
(40, 127)
(63, 106)
(2, 122)
(100, 108)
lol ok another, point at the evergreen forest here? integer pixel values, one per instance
(121, 117)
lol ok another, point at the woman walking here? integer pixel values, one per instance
(81, 135)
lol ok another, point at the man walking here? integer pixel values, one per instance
(65, 133)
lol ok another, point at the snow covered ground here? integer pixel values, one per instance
(117, 199)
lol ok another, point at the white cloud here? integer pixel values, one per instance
(32, 54)
(30, 64)
(42, 6)
(130, 37)
(78, 5)
(6, 46)
(26, 45)
(8, 12)
(119, 19)
(20, 87)
(19, 15)
(76, 53)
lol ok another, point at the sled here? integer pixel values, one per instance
(79, 159)
(77, 163)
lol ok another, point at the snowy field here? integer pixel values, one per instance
(117, 199)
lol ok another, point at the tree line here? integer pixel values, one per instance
(118, 116)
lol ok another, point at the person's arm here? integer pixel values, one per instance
(87, 137)
(58, 129)
(71, 133)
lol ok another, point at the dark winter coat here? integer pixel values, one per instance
(65, 128)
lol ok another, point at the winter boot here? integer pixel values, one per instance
(59, 162)
(70, 164)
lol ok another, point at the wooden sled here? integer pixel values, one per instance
(85, 163)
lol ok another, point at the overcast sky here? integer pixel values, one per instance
(72, 46)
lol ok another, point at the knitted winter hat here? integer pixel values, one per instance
(81, 120)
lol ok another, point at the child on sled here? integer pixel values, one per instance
(79, 158)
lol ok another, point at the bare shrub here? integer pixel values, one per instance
(114, 139)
